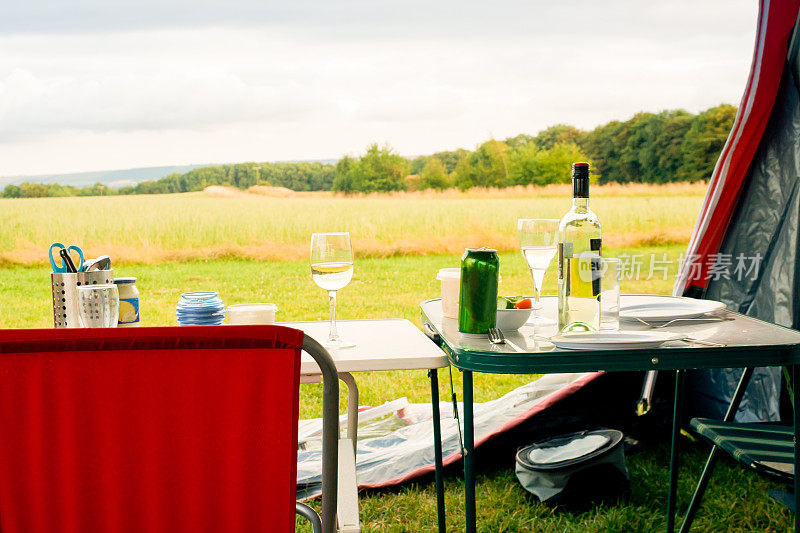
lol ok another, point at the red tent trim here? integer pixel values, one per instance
(776, 22)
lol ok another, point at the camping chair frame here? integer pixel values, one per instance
(708, 469)
(247, 337)
(330, 439)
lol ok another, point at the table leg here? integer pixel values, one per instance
(796, 405)
(437, 450)
(677, 414)
(469, 459)
(352, 408)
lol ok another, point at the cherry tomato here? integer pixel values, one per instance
(525, 303)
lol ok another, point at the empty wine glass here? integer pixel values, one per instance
(538, 241)
(332, 269)
(98, 306)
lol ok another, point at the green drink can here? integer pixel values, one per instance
(477, 305)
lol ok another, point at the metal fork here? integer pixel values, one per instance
(689, 339)
(496, 337)
(698, 319)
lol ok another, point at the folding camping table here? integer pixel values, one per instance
(744, 342)
(380, 344)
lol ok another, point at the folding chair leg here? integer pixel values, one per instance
(730, 414)
(699, 492)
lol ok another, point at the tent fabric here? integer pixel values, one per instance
(149, 429)
(776, 22)
(749, 220)
(765, 225)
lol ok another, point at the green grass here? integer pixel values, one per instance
(393, 287)
(381, 288)
(735, 501)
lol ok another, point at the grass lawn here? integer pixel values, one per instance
(393, 287)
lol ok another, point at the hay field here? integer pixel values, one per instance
(152, 229)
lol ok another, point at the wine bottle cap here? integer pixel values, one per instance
(580, 171)
(580, 180)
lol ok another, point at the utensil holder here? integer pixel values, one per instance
(65, 287)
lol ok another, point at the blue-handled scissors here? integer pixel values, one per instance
(63, 266)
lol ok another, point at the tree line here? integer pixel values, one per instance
(296, 176)
(670, 146)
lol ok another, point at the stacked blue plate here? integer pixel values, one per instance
(200, 309)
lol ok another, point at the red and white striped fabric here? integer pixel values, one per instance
(776, 21)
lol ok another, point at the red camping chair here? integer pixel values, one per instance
(157, 429)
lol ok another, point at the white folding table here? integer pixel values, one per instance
(380, 344)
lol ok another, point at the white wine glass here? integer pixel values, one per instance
(538, 241)
(332, 269)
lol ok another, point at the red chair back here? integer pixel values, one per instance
(149, 429)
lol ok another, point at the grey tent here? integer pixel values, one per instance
(745, 246)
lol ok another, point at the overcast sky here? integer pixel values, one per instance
(111, 84)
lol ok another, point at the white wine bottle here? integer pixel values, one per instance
(579, 250)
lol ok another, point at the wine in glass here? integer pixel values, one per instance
(538, 241)
(332, 269)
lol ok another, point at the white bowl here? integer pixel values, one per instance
(512, 319)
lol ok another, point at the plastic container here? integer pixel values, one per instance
(241, 314)
(128, 302)
(451, 285)
(200, 309)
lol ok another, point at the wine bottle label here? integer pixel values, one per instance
(582, 275)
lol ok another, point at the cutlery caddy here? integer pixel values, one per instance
(65, 287)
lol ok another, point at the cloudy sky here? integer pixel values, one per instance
(92, 85)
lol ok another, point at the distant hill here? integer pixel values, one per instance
(111, 178)
(120, 178)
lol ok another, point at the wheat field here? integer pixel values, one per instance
(151, 229)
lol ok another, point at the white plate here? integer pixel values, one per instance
(613, 340)
(664, 308)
